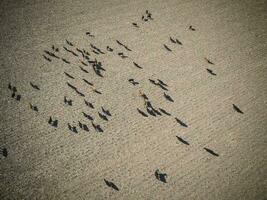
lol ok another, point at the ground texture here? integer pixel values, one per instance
(49, 161)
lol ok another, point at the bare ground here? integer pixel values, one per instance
(44, 162)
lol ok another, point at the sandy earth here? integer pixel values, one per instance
(46, 162)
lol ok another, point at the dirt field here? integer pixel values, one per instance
(220, 61)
